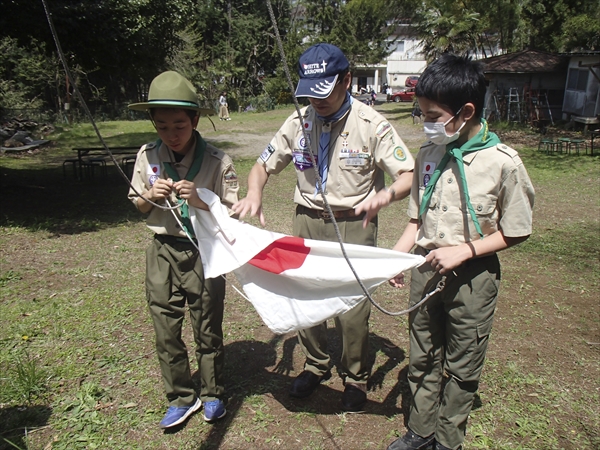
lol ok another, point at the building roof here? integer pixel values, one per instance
(526, 61)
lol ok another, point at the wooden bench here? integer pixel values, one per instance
(93, 160)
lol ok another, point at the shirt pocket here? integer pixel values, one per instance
(486, 211)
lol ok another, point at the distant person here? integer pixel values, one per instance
(388, 94)
(223, 107)
(416, 112)
(471, 198)
(172, 168)
(356, 146)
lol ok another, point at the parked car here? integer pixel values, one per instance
(411, 81)
(403, 95)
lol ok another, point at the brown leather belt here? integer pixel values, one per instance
(321, 214)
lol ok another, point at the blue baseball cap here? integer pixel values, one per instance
(319, 67)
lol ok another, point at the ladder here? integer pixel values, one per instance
(546, 105)
(513, 110)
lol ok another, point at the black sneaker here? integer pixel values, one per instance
(306, 383)
(412, 441)
(354, 398)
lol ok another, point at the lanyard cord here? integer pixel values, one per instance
(286, 69)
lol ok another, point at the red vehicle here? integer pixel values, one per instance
(411, 81)
(404, 95)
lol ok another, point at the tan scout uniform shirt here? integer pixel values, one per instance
(216, 174)
(363, 145)
(499, 187)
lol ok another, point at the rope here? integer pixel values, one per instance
(319, 181)
(63, 60)
(172, 208)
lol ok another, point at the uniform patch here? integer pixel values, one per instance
(302, 143)
(308, 125)
(399, 154)
(426, 179)
(266, 154)
(383, 129)
(231, 178)
(303, 159)
(154, 169)
(428, 167)
(152, 180)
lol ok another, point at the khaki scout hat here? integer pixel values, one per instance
(171, 90)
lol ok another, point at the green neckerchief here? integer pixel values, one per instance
(191, 174)
(483, 139)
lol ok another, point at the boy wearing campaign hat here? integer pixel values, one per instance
(352, 147)
(168, 172)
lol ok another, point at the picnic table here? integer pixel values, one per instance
(594, 134)
(94, 159)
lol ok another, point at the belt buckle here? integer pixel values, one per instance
(325, 215)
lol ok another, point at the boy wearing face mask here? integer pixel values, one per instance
(471, 197)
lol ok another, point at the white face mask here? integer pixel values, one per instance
(436, 131)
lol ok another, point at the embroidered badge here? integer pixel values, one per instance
(152, 180)
(308, 125)
(302, 159)
(154, 169)
(266, 154)
(428, 167)
(399, 154)
(383, 129)
(302, 143)
(231, 178)
(426, 179)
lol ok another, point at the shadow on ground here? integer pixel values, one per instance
(45, 198)
(252, 369)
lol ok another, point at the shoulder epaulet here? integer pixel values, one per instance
(148, 146)
(215, 152)
(506, 149)
(511, 152)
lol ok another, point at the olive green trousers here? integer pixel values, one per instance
(352, 326)
(448, 342)
(174, 278)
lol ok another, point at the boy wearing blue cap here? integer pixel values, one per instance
(169, 171)
(471, 197)
(355, 146)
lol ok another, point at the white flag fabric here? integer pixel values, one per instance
(293, 283)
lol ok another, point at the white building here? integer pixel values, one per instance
(405, 60)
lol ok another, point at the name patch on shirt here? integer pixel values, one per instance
(267, 152)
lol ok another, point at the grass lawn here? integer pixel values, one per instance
(78, 368)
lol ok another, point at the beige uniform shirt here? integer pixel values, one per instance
(499, 187)
(363, 145)
(216, 174)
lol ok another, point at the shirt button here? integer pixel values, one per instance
(479, 208)
(449, 180)
(442, 235)
(444, 208)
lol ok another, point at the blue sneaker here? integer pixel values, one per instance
(178, 414)
(214, 410)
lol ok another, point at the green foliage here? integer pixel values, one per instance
(581, 32)
(26, 73)
(26, 380)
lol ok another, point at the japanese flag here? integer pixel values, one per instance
(293, 283)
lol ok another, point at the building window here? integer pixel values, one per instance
(400, 46)
(578, 79)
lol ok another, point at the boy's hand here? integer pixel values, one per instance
(187, 191)
(397, 281)
(161, 189)
(445, 259)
